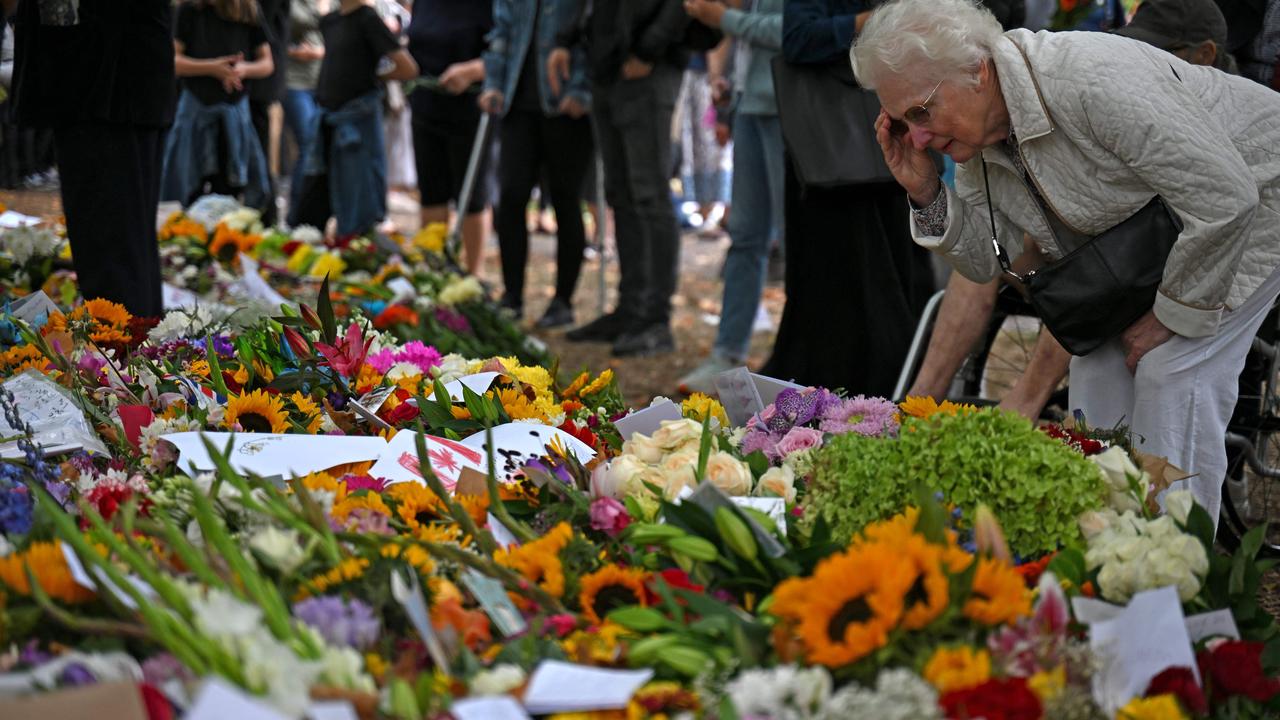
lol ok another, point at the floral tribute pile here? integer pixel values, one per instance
(835, 557)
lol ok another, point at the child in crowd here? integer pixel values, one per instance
(347, 168)
(212, 147)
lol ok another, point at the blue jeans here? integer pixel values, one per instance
(299, 114)
(758, 173)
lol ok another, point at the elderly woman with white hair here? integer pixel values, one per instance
(1070, 138)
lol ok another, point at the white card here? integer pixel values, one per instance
(57, 423)
(80, 574)
(399, 459)
(479, 384)
(769, 388)
(648, 420)
(501, 535)
(175, 298)
(255, 287)
(1218, 623)
(501, 707)
(515, 444)
(268, 454)
(564, 687)
(1148, 636)
(774, 507)
(11, 219)
(219, 700)
(331, 710)
(406, 588)
(738, 395)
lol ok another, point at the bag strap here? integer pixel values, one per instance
(1001, 255)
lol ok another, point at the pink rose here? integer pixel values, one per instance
(797, 439)
(609, 516)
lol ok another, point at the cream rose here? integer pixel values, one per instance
(643, 448)
(1178, 505)
(677, 434)
(779, 482)
(1117, 468)
(728, 473)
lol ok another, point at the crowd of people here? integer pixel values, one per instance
(154, 100)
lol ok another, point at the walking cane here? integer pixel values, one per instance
(469, 180)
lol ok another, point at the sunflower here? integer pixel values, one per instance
(228, 242)
(260, 370)
(179, 225)
(369, 501)
(257, 411)
(958, 668)
(106, 322)
(49, 566)
(416, 505)
(516, 405)
(415, 555)
(929, 595)
(326, 483)
(442, 534)
(344, 572)
(23, 357)
(199, 367)
(998, 595)
(313, 419)
(612, 587)
(845, 610)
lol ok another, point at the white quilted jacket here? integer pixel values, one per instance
(1103, 124)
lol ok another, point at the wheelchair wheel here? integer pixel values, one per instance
(994, 367)
(1251, 489)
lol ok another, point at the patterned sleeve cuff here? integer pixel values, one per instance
(932, 219)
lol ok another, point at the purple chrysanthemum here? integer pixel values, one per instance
(874, 417)
(760, 440)
(350, 623)
(455, 321)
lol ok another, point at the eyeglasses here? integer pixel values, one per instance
(916, 115)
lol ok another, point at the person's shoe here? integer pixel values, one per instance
(648, 340)
(511, 306)
(559, 314)
(605, 328)
(702, 379)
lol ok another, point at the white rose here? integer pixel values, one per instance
(279, 547)
(1116, 468)
(778, 481)
(1162, 527)
(1093, 523)
(1189, 550)
(624, 474)
(677, 434)
(1127, 549)
(1178, 505)
(728, 473)
(502, 679)
(643, 448)
(1113, 583)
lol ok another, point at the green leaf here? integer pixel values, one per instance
(1069, 565)
(1200, 525)
(639, 619)
(324, 308)
(1252, 541)
(758, 463)
(704, 448)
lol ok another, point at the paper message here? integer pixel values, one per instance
(648, 420)
(769, 388)
(57, 422)
(176, 298)
(515, 444)
(402, 288)
(31, 308)
(564, 687)
(10, 220)
(709, 498)
(501, 534)
(218, 700)
(1148, 636)
(774, 507)
(493, 598)
(407, 590)
(268, 454)
(252, 284)
(738, 395)
(1218, 623)
(478, 383)
(398, 461)
(502, 707)
(99, 580)
(331, 710)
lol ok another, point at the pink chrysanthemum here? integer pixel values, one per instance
(873, 417)
(422, 355)
(382, 360)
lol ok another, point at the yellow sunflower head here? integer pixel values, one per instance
(516, 404)
(312, 418)
(103, 321)
(257, 411)
(846, 609)
(957, 668)
(346, 571)
(612, 587)
(998, 595)
(367, 500)
(930, 592)
(49, 566)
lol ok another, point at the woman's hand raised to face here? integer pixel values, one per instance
(911, 166)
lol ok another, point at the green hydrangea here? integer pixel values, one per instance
(1035, 485)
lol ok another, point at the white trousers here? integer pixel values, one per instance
(1180, 399)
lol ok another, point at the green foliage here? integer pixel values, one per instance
(1035, 485)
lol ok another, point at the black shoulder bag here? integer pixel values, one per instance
(1096, 291)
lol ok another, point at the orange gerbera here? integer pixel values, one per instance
(395, 315)
(998, 595)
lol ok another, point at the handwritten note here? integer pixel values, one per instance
(1218, 623)
(57, 422)
(267, 454)
(218, 700)
(564, 687)
(398, 461)
(502, 707)
(515, 444)
(1148, 636)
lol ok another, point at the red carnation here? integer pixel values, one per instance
(1006, 699)
(1180, 682)
(1234, 667)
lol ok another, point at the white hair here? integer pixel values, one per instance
(928, 40)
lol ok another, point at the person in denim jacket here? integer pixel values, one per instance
(541, 131)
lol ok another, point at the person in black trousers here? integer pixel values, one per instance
(636, 60)
(101, 74)
(270, 90)
(540, 131)
(856, 283)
